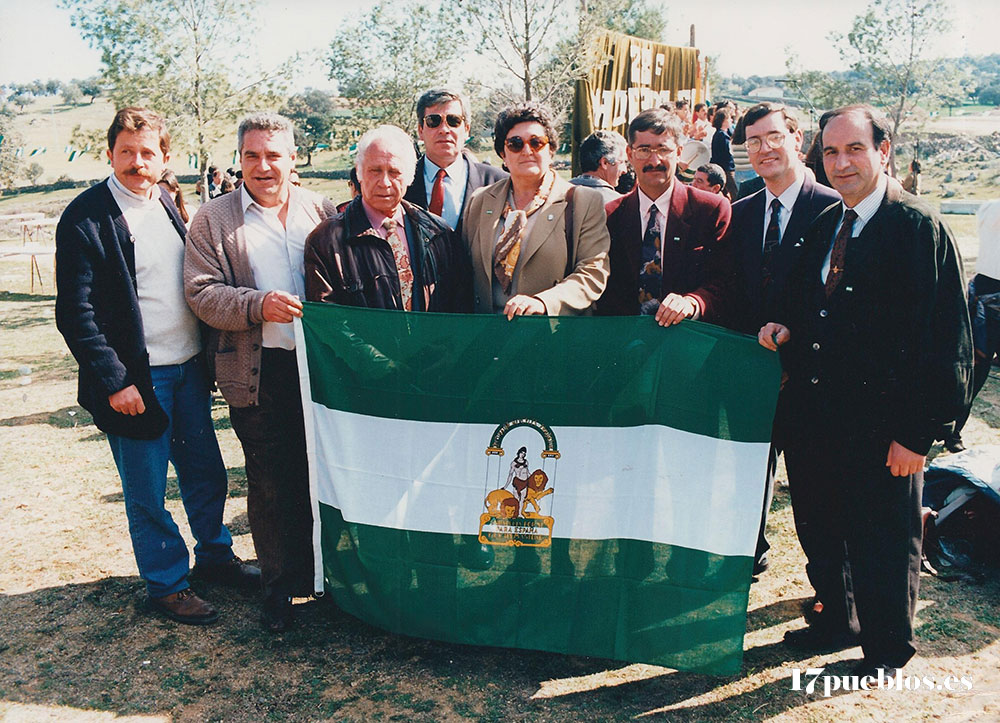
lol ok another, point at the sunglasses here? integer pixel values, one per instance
(433, 120)
(516, 144)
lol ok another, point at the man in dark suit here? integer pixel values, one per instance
(120, 306)
(668, 257)
(766, 234)
(446, 174)
(876, 342)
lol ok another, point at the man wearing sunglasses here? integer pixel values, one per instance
(766, 235)
(668, 258)
(446, 174)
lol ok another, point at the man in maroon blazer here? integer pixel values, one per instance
(667, 255)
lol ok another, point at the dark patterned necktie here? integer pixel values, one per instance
(651, 265)
(772, 237)
(839, 252)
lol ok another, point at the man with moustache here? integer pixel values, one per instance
(446, 175)
(876, 341)
(244, 277)
(766, 234)
(668, 257)
(120, 306)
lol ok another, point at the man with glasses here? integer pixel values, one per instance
(446, 174)
(668, 258)
(602, 163)
(766, 234)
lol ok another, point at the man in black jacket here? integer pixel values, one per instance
(383, 252)
(876, 341)
(766, 235)
(120, 306)
(447, 174)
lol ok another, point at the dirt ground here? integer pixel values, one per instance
(76, 642)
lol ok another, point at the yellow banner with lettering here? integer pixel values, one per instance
(630, 75)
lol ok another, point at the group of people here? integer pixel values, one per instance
(859, 285)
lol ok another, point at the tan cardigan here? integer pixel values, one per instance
(220, 289)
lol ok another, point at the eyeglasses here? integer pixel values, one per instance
(516, 144)
(775, 139)
(433, 120)
(644, 152)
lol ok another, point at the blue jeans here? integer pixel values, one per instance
(190, 444)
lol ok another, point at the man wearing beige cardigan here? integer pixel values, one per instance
(244, 277)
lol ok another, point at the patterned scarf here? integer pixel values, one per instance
(508, 248)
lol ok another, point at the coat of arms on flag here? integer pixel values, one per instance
(514, 510)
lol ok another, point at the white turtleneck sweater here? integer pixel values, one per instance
(171, 330)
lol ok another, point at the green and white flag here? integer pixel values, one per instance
(590, 486)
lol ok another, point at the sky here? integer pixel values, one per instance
(746, 38)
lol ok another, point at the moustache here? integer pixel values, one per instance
(662, 168)
(140, 172)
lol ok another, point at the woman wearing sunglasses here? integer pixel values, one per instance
(537, 247)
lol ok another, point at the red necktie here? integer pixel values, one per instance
(437, 193)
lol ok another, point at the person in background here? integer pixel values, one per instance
(984, 308)
(353, 187)
(602, 163)
(709, 177)
(168, 179)
(722, 155)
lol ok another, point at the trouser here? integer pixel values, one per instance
(190, 444)
(278, 504)
(860, 529)
(762, 544)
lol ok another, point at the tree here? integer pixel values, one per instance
(34, 172)
(383, 60)
(889, 47)
(524, 38)
(91, 87)
(313, 115)
(177, 56)
(9, 141)
(990, 95)
(71, 93)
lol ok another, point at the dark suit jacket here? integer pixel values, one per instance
(746, 236)
(888, 357)
(696, 258)
(480, 174)
(97, 309)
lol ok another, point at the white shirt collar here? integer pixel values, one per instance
(662, 203)
(246, 201)
(455, 171)
(788, 196)
(866, 207)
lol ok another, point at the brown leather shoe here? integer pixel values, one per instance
(235, 573)
(185, 607)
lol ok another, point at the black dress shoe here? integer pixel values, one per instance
(868, 668)
(820, 639)
(760, 565)
(235, 573)
(276, 614)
